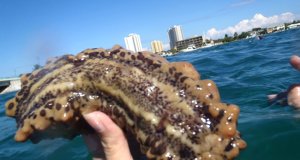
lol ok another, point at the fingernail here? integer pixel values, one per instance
(93, 120)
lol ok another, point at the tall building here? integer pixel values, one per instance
(175, 34)
(133, 42)
(156, 46)
(195, 41)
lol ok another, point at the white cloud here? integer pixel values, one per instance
(258, 20)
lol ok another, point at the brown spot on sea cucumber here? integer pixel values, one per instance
(140, 56)
(229, 146)
(132, 57)
(122, 54)
(115, 51)
(211, 96)
(43, 113)
(25, 82)
(10, 106)
(58, 106)
(177, 75)
(182, 79)
(185, 152)
(159, 149)
(102, 54)
(93, 54)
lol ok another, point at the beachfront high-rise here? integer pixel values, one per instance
(133, 42)
(156, 46)
(175, 34)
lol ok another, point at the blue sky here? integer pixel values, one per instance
(33, 30)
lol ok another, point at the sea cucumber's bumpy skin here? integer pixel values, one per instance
(173, 114)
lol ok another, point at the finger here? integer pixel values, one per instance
(295, 62)
(294, 97)
(112, 138)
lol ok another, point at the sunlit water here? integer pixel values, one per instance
(244, 71)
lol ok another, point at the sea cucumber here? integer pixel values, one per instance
(172, 113)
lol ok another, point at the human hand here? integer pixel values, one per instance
(292, 95)
(109, 138)
(295, 62)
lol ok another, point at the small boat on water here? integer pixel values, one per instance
(9, 85)
(253, 35)
(259, 37)
(167, 54)
(189, 48)
(207, 45)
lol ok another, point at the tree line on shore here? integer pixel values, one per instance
(243, 35)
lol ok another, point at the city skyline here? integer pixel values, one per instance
(156, 46)
(37, 30)
(133, 42)
(175, 34)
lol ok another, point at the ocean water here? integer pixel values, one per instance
(245, 72)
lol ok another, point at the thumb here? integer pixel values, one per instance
(114, 143)
(295, 62)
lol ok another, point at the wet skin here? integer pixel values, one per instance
(291, 96)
